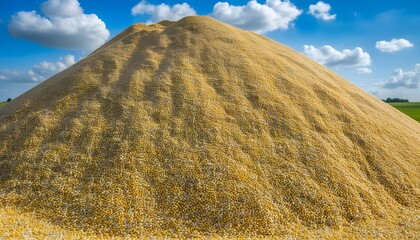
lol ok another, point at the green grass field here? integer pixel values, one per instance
(2, 103)
(412, 109)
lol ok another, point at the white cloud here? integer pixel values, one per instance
(13, 75)
(327, 55)
(399, 78)
(38, 72)
(162, 11)
(44, 70)
(61, 8)
(393, 46)
(364, 70)
(260, 18)
(321, 11)
(63, 26)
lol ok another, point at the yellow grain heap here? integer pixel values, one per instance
(197, 128)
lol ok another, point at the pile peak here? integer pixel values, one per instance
(198, 128)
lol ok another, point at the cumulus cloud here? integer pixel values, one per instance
(13, 75)
(162, 11)
(364, 70)
(321, 10)
(64, 25)
(44, 70)
(260, 18)
(38, 72)
(329, 56)
(393, 45)
(399, 78)
(61, 8)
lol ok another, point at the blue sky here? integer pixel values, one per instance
(374, 44)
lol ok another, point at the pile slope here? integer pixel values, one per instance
(195, 128)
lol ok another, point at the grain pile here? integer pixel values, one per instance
(197, 128)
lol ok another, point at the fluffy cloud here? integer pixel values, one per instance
(321, 11)
(399, 78)
(393, 46)
(327, 55)
(364, 70)
(61, 8)
(44, 70)
(14, 75)
(38, 72)
(260, 18)
(162, 11)
(63, 26)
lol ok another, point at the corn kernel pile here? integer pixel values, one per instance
(198, 129)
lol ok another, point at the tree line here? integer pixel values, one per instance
(395, 100)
